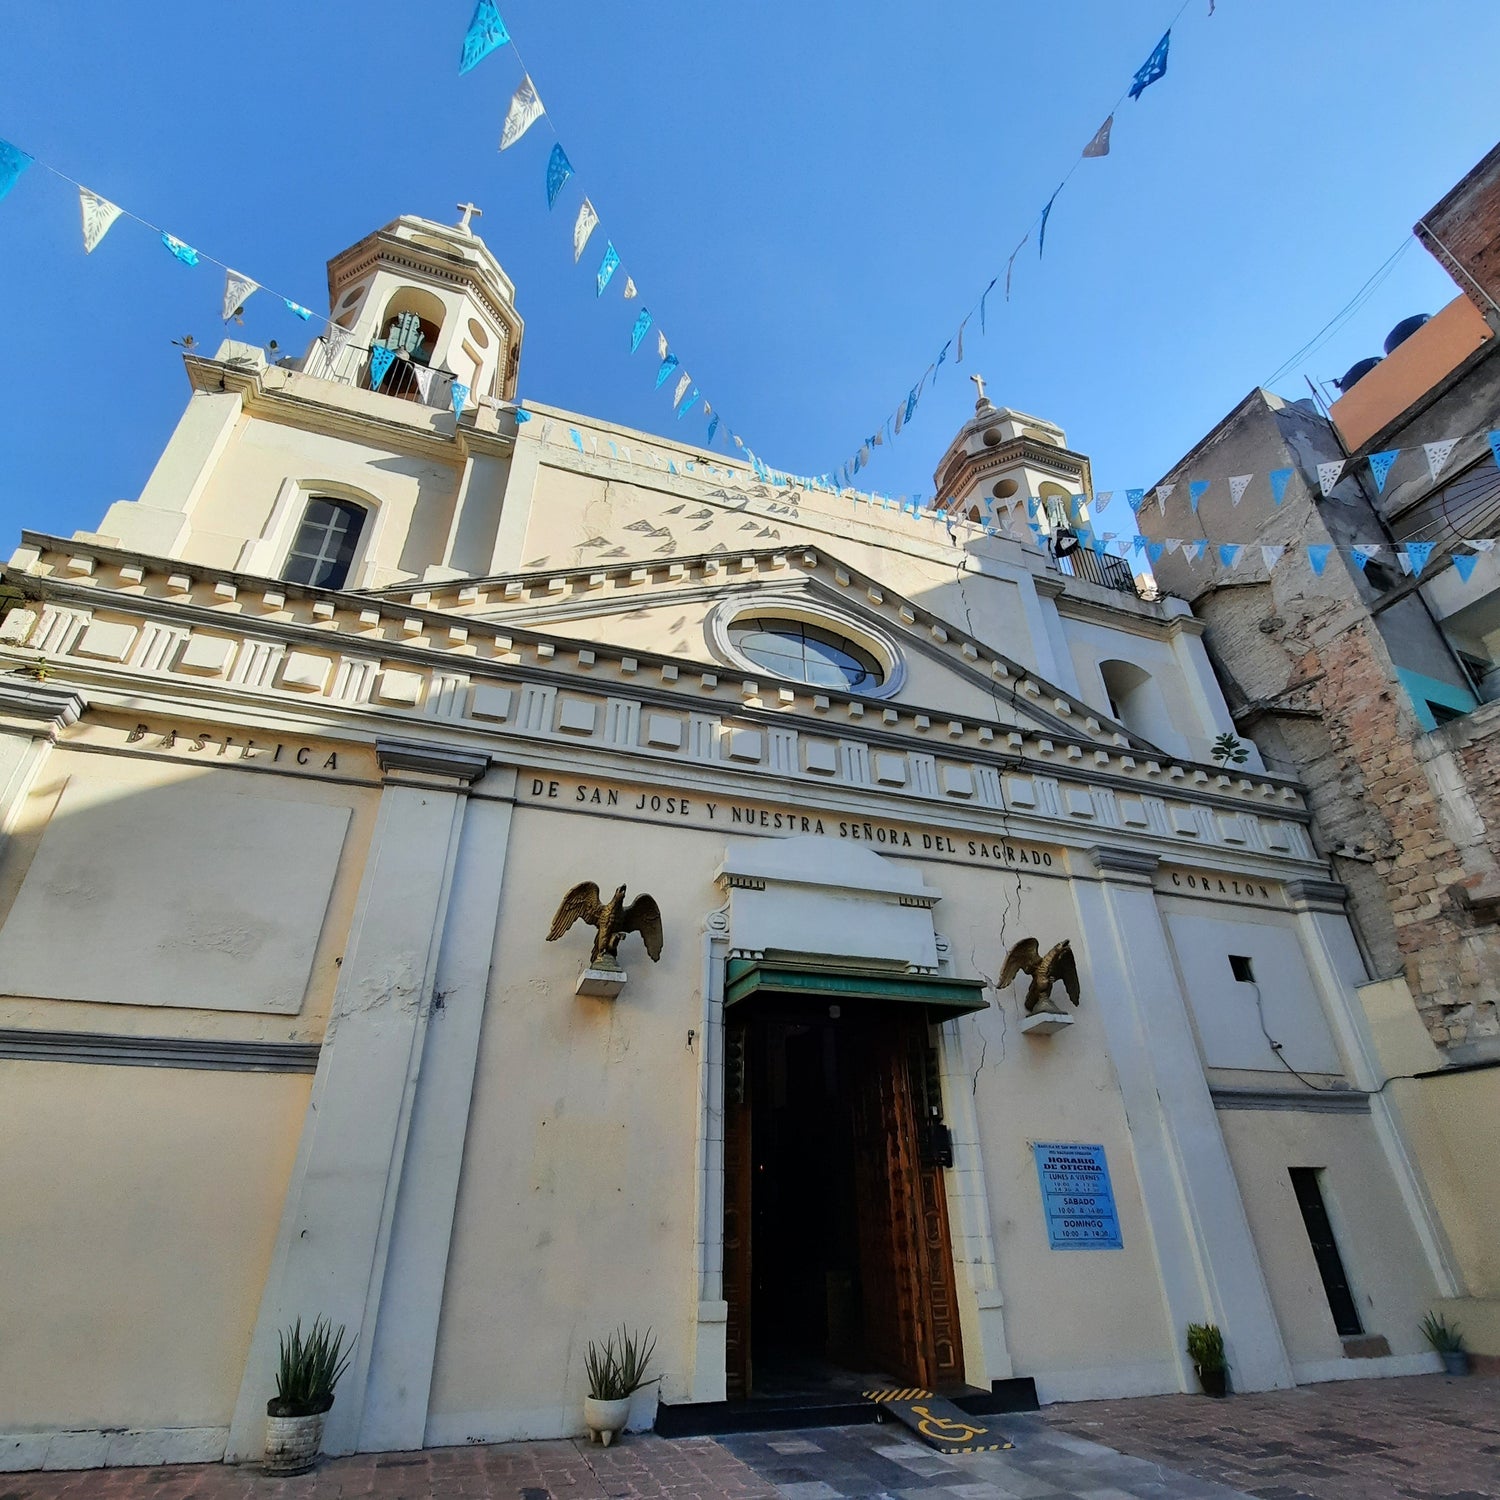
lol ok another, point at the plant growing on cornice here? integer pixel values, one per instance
(1229, 751)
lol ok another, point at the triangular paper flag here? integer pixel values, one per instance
(1380, 466)
(1173, 543)
(630, 291)
(713, 427)
(1154, 551)
(1194, 550)
(1363, 552)
(1238, 484)
(1099, 146)
(1329, 475)
(13, 161)
(1196, 488)
(98, 214)
(583, 227)
(1102, 499)
(459, 394)
(1495, 445)
(297, 310)
(1229, 554)
(1139, 543)
(237, 291)
(1279, 478)
(381, 359)
(1153, 68)
(335, 341)
(486, 32)
(1317, 555)
(1438, 453)
(687, 406)
(1270, 556)
(1133, 499)
(607, 266)
(185, 253)
(1482, 543)
(525, 110)
(661, 345)
(642, 323)
(1463, 564)
(668, 364)
(1163, 494)
(559, 169)
(958, 358)
(683, 383)
(1419, 552)
(424, 374)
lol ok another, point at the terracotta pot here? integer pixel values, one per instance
(292, 1443)
(604, 1419)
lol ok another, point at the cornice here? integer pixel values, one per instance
(294, 405)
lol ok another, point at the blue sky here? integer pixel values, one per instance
(810, 197)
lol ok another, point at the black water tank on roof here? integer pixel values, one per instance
(1404, 330)
(1356, 372)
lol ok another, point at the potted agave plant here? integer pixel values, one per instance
(1205, 1347)
(615, 1372)
(1448, 1342)
(306, 1373)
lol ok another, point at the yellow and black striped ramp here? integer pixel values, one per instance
(939, 1423)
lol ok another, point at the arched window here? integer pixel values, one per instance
(1135, 700)
(324, 547)
(409, 327)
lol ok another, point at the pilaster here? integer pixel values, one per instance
(333, 1248)
(707, 1379)
(1206, 1257)
(32, 716)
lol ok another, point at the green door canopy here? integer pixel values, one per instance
(943, 996)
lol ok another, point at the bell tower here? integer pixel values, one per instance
(1013, 468)
(436, 298)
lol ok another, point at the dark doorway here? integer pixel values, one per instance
(1325, 1250)
(838, 1264)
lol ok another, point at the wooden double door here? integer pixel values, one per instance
(836, 1239)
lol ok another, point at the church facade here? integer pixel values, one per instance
(301, 752)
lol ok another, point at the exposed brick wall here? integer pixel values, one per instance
(1425, 808)
(1467, 222)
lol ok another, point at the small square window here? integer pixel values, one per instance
(1241, 968)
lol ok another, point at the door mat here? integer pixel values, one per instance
(940, 1424)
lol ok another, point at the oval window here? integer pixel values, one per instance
(806, 653)
(477, 333)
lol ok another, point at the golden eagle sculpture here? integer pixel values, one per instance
(612, 920)
(1057, 963)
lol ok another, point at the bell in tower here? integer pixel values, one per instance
(416, 307)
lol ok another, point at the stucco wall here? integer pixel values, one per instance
(128, 1299)
(1388, 1274)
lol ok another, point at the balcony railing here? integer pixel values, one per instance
(351, 366)
(1102, 569)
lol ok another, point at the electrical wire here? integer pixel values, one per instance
(1342, 316)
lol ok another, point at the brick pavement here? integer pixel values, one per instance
(1422, 1437)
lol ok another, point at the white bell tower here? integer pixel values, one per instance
(435, 296)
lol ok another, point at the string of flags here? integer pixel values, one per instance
(1411, 556)
(486, 33)
(99, 215)
(1150, 71)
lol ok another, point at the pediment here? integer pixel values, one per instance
(677, 608)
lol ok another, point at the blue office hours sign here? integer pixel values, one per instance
(1077, 1199)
